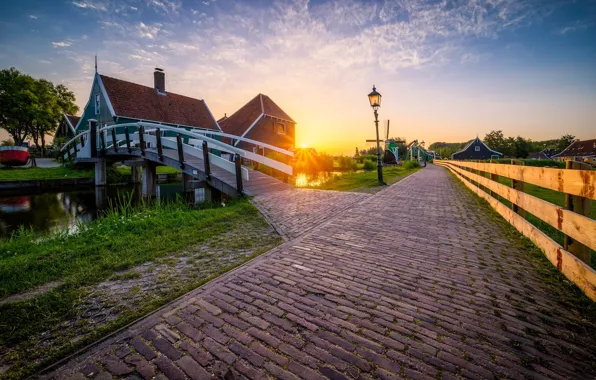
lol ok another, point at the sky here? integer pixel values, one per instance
(447, 70)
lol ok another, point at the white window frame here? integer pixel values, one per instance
(477, 148)
(97, 104)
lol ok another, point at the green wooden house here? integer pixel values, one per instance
(115, 101)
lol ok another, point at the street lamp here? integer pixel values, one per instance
(375, 102)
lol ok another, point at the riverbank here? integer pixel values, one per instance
(366, 181)
(80, 287)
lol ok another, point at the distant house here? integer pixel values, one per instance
(115, 101)
(262, 120)
(545, 154)
(578, 150)
(67, 126)
(476, 150)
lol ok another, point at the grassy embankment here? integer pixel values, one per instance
(119, 241)
(22, 174)
(367, 181)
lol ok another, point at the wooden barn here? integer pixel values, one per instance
(262, 120)
(476, 150)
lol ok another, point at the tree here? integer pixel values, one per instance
(496, 141)
(32, 108)
(521, 147)
(357, 153)
(564, 142)
(16, 101)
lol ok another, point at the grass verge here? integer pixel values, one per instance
(100, 251)
(22, 174)
(366, 181)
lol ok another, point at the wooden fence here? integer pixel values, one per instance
(577, 182)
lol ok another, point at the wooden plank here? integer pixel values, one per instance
(578, 226)
(582, 206)
(574, 269)
(575, 182)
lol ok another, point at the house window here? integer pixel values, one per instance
(280, 128)
(477, 148)
(97, 104)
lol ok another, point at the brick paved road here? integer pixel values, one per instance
(370, 293)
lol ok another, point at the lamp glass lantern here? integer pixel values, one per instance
(375, 99)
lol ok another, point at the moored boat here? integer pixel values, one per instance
(14, 155)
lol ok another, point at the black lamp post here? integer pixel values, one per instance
(375, 102)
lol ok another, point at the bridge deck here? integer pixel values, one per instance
(257, 183)
(418, 281)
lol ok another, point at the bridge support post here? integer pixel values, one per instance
(149, 179)
(101, 197)
(135, 174)
(100, 172)
(187, 185)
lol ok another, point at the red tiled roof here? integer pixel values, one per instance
(136, 101)
(584, 148)
(74, 120)
(241, 120)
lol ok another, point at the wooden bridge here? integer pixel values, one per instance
(192, 151)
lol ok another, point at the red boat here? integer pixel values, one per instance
(14, 155)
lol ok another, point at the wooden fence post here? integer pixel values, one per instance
(159, 146)
(494, 177)
(180, 150)
(142, 139)
(206, 159)
(93, 137)
(519, 186)
(582, 206)
(238, 164)
(114, 144)
(127, 134)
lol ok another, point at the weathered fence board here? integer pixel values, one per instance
(575, 182)
(579, 227)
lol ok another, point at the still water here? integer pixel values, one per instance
(64, 210)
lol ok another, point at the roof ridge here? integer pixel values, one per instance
(152, 88)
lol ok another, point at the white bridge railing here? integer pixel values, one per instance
(106, 137)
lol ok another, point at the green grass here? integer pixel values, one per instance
(553, 197)
(366, 181)
(21, 174)
(159, 169)
(100, 251)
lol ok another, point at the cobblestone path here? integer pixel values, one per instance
(417, 281)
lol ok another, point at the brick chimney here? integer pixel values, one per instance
(159, 79)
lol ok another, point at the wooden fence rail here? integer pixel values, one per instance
(575, 226)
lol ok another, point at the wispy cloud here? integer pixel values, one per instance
(62, 44)
(577, 26)
(33, 17)
(90, 5)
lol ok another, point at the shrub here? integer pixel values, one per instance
(409, 165)
(369, 165)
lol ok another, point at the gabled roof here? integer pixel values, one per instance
(135, 101)
(586, 148)
(72, 121)
(261, 105)
(481, 142)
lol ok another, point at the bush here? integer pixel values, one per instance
(114, 176)
(346, 163)
(409, 165)
(369, 165)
